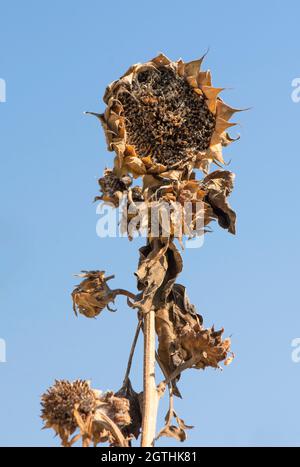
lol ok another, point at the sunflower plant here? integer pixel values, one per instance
(167, 125)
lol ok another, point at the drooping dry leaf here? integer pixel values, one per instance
(151, 270)
(134, 428)
(219, 185)
(174, 431)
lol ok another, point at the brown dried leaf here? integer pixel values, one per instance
(174, 431)
(219, 185)
(134, 428)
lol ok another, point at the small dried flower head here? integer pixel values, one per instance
(99, 417)
(92, 295)
(60, 401)
(164, 115)
(205, 346)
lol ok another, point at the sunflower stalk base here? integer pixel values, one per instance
(150, 395)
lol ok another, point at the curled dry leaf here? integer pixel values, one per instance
(177, 431)
(127, 392)
(151, 270)
(181, 335)
(219, 185)
(68, 407)
(183, 339)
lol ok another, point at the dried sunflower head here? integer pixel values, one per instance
(205, 346)
(60, 401)
(164, 115)
(92, 295)
(70, 406)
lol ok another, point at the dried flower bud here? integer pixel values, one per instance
(204, 346)
(92, 295)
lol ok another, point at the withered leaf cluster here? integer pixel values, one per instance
(181, 335)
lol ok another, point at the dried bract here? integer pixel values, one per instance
(113, 187)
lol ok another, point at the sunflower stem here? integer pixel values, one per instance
(150, 396)
(124, 292)
(132, 350)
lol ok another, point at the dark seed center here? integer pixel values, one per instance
(165, 118)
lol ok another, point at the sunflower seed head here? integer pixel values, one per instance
(60, 401)
(73, 406)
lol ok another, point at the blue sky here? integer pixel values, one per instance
(56, 58)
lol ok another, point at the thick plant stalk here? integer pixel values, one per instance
(150, 397)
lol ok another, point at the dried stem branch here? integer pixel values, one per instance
(132, 350)
(184, 366)
(125, 292)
